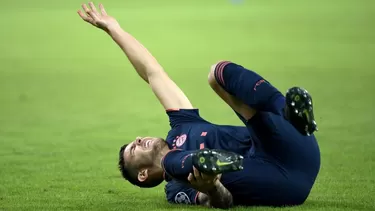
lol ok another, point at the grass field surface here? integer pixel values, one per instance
(69, 98)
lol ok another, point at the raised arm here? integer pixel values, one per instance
(147, 67)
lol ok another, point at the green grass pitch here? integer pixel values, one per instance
(69, 98)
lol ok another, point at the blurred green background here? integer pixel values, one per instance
(69, 98)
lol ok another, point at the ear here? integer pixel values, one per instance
(143, 175)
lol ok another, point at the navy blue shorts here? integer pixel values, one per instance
(282, 164)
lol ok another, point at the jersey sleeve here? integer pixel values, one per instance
(177, 164)
(183, 116)
(180, 193)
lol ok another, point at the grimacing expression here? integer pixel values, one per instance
(141, 153)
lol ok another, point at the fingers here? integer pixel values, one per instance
(102, 10)
(91, 13)
(85, 8)
(201, 177)
(93, 8)
(197, 174)
(84, 17)
(191, 178)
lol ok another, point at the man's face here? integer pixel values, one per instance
(141, 153)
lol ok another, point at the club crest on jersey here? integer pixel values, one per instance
(180, 140)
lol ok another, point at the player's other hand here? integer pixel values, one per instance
(202, 182)
(97, 18)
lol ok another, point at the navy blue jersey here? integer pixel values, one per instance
(189, 131)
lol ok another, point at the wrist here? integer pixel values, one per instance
(113, 29)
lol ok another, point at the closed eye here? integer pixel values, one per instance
(132, 149)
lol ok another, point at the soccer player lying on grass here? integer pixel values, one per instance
(272, 160)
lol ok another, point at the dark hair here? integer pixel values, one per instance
(131, 174)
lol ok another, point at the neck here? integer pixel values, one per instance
(159, 158)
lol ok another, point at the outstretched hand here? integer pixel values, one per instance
(96, 18)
